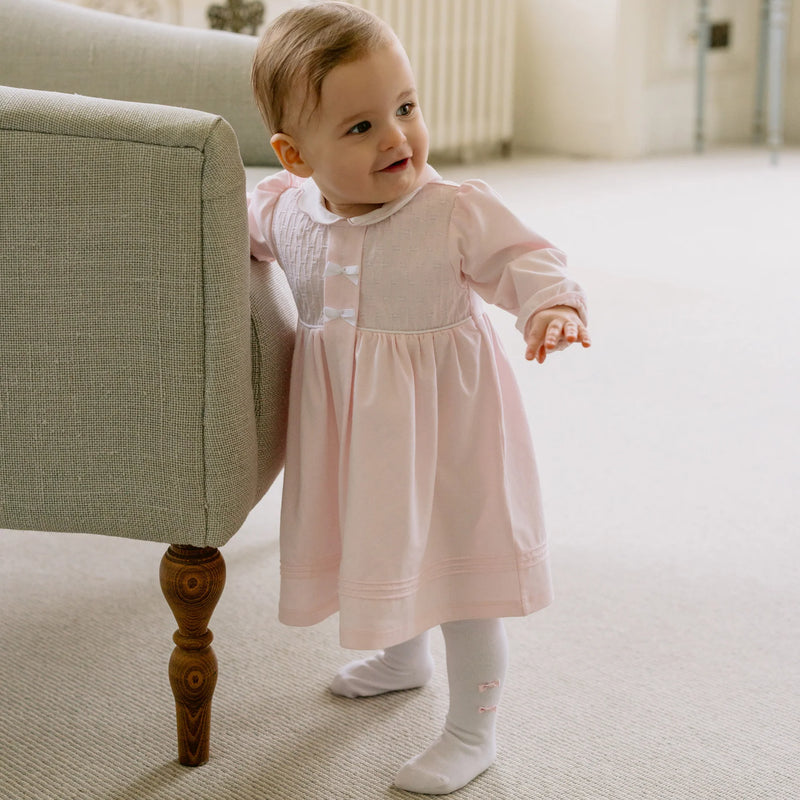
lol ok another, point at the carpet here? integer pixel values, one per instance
(668, 666)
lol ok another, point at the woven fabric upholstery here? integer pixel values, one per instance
(60, 47)
(126, 401)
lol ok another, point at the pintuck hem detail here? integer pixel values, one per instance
(380, 616)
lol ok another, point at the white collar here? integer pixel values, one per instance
(312, 202)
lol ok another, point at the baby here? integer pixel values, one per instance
(411, 496)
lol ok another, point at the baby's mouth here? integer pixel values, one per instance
(396, 166)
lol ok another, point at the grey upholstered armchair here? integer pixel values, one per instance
(144, 360)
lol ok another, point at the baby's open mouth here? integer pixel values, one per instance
(396, 166)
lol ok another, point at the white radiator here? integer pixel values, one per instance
(462, 52)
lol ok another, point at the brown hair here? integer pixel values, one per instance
(302, 46)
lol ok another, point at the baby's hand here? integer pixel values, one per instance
(554, 329)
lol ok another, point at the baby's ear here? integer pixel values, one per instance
(289, 155)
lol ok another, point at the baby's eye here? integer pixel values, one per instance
(361, 127)
(405, 109)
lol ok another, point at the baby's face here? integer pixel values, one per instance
(366, 143)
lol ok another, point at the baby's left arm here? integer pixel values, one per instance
(513, 267)
(554, 329)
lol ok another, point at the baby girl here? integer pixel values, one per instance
(411, 496)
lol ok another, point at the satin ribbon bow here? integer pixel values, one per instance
(347, 314)
(332, 269)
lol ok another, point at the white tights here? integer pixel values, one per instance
(477, 656)
(405, 666)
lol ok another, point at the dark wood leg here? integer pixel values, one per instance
(192, 579)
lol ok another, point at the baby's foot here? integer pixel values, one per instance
(382, 673)
(447, 765)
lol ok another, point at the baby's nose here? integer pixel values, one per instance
(393, 137)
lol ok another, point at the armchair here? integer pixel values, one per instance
(144, 359)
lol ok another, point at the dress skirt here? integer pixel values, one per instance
(413, 519)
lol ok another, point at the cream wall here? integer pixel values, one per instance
(617, 77)
(566, 67)
(793, 78)
(607, 77)
(670, 75)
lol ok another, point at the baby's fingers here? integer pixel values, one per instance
(555, 330)
(536, 351)
(541, 342)
(577, 332)
(536, 346)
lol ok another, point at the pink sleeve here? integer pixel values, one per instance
(507, 263)
(261, 204)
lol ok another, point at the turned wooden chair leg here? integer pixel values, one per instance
(192, 579)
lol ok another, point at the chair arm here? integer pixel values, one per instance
(126, 397)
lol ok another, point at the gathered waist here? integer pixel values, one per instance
(414, 332)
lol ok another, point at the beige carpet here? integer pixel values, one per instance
(669, 666)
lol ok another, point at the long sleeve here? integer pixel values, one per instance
(507, 263)
(261, 203)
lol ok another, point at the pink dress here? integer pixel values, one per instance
(411, 496)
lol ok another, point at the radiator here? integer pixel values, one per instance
(462, 52)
